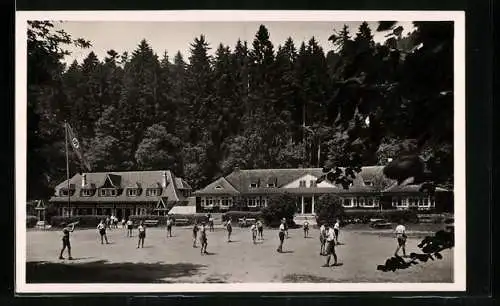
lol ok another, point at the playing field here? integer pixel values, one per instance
(175, 260)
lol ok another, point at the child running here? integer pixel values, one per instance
(169, 227)
(195, 233)
(285, 224)
(260, 229)
(281, 235)
(101, 227)
(65, 240)
(142, 234)
(130, 226)
(253, 229)
(229, 228)
(203, 239)
(306, 228)
(322, 239)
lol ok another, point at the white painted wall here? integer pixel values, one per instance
(308, 178)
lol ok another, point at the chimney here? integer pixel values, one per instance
(236, 169)
(84, 180)
(165, 179)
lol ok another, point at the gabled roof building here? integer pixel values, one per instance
(121, 193)
(370, 189)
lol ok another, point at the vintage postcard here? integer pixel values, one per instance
(251, 151)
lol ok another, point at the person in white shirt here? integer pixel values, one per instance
(281, 235)
(336, 229)
(322, 238)
(253, 229)
(401, 238)
(211, 223)
(130, 226)
(142, 234)
(101, 227)
(330, 247)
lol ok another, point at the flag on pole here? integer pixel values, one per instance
(77, 147)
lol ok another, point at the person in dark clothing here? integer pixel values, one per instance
(65, 240)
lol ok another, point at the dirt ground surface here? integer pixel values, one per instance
(174, 260)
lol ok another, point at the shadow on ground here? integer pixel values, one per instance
(103, 272)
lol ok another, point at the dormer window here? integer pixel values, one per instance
(368, 183)
(133, 192)
(271, 185)
(108, 192)
(64, 192)
(313, 183)
(302, 183)
(153, 192)
(87, 192)
(253, 185)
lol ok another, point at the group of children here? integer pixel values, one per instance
(328, 235)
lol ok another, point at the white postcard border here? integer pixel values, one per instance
(459, 283)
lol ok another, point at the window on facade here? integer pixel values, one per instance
(270, 185)
(202, 201)
(253, 185)
(302, 184)
(209, 201)
(87, 192)
(347, 202)
(252, 202)
(361, 202)
(186, 193)
(313, 183)
(153, 192)
(369, 202)
(218, 187)
(263, 202)
(108, 192)
(226, 201)
(132, 192)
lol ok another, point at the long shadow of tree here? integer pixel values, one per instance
(431, 247)
(103, 272)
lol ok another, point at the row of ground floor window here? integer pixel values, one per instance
(120, 211)
(306, 203)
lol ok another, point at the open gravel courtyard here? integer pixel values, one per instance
(174, 260)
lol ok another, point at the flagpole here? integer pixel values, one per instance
(67, 167)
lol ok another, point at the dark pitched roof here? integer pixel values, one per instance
(132, 179)
(241, 179)
(219, 186)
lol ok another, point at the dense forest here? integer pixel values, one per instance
(252, 105)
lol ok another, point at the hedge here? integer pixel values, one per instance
(236, 215)
(86, 221)
(31, 221)
(409, 216)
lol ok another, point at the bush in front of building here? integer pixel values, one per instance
(279, 207)
(407, 216)
(31, 221)
(84, 221)
(328, 208)
(236, 215)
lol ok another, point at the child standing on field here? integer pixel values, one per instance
(306, 228)
(260, 229)
(203, 239)
(195, 233)
(65, 240)
(169, 227)
(253, 229)
(229, 228)
(322, 238)
(101, 227)
(130, 226)
(142, 234)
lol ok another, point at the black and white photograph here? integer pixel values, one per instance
(196, 151)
